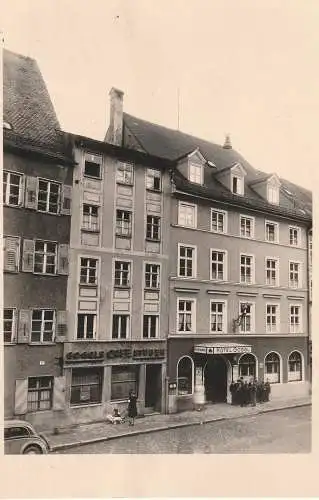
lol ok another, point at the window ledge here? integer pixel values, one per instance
(42, 343)
(153, 240)
(122, 287)
(154, 190)
(85, 176)
(10, 343)
(126, 236)
(84, 405)
(88, 230)
(89, 285)
(122, 183)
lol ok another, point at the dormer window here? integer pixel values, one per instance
(196, 173)
(237, 185)
(273, 194)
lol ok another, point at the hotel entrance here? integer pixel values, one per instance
(215, 380)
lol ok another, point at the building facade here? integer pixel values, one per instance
(37, 183)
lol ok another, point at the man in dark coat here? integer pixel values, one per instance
(267, 390)
(232, 389)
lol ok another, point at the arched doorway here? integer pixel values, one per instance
(215, 380)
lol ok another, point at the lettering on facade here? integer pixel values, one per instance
(84, 356)
(114, 354)
(238, 349)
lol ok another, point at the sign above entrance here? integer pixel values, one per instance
(222, 349)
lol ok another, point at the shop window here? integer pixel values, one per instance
(247, 366)
(185, 376)
(86, 386)
(272, 368)
(124, 379)
(40, 393)
(294, 367)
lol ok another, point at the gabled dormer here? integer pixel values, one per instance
(233, 178)
(192, 166)
(268, 187)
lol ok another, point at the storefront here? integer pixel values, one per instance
(99, 377)
(201, 371)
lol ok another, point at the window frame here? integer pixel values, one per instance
(14, 322)
(42, 326)
(240, 364)
(271, 190)
(48, 192)
(194, 261)
(189, 205)
(38, 391)
(128, 283)
(92, 219)
(276, 232)
(149, 174)
(85, 160)
(85, 337)
(192, 377)
(253, 277)
(252, 317)
(132, 368)
(240, 184)
(192, 313)
(277, 316)
(224, 316)
(225, 264)
(128, 326)
(280, 374)
(277, 283)
(8, 185)
(124, 164)
(45, 256)
(298, 229)
(79, 371)
(152, 225)
(252, 221)
(149, 336)
(88, 268)
(225, 220)
(292, 328)
(300, 278)
(193, 165)
(119, 223)
(158, 280)
(301, 371)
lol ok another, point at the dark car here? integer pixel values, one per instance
(20, 438)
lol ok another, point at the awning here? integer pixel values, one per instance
(222, 348)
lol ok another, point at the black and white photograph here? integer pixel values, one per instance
(158, 171)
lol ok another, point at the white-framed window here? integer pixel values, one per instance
(152, 276)
(185, 376)
(294, 236)
(272, 271)
(120, 326)
(40, 393)
(218, 265)
(43, 325)
(295, 318)
(125, 173)
(88, 271)
(9, 325)
(272, 368)
(45, 257)
(153, 179)
(187, 214)
(294, 367)
(246, 226)
(237, 185)
(124, 223)
(90, 220)
(48, 196)
(86, 326)
(247, 324)
(294, 274)
(272, 231)
(247, 269)
(122, 274)
(153, 227)
(272, 318)
(218, 316)
(247, 366)
(196, 173)
(150, 326)
(187, 256)
(93, 166)
(218, 221)
(12, 189)
(186, 315)
(273, 195)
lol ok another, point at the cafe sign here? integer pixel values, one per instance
(114, 354)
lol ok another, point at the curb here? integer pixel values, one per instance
(65, 446)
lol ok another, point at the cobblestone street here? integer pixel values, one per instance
(286, 431)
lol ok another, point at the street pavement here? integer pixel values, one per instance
(284, 431)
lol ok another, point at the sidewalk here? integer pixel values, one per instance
(103, 431)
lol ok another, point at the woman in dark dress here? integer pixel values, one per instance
(132, 409)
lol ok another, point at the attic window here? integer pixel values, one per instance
(196, 173)
(7, 125)
(237, 185)
(92, 166)
(273, 195)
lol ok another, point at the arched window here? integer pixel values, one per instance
(247, 366)
(185, 376)
(294, 367)
(272, 368)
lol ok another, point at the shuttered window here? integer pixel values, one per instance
(45, 257)
(11, 253)
(40, 393)
(48, 196)
(43, 325)
(12, 189)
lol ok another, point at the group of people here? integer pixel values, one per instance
(246, 393)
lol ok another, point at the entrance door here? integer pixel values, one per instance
(153, 393)
(215, 379)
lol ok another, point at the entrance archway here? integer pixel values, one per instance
(215, 379)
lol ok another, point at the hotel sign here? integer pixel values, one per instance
(223, 349)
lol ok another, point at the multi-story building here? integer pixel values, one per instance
(117, 290)
(37, 183)
(238, 299)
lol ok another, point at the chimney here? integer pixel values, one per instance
(227, 143)
(115, 130)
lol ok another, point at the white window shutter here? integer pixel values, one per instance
(24, 327)
(11, 253)
(59, 386)
(21, 397)
(31, 193)
(63, 259)
(66, 197)
(28, 256)
(61, 326)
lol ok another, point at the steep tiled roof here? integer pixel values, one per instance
(173, 144)
(27, 106)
